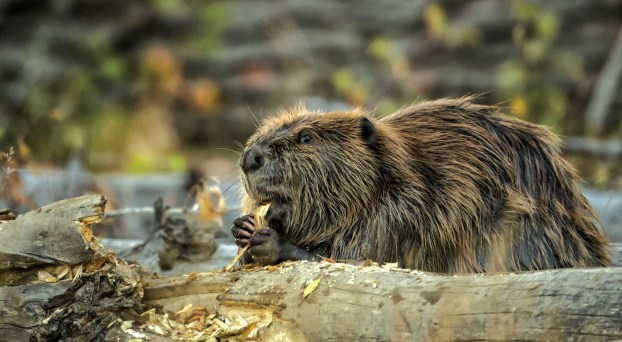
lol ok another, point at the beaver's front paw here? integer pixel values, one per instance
(242, 229)
(265, 246)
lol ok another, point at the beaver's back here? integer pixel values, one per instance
(508, 200)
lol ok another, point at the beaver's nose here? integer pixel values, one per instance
(252, 159)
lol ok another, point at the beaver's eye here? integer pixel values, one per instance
(304, 138)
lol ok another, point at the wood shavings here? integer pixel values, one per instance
(197, 324)
(46, 277)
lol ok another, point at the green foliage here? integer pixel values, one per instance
(441, 30)
(108, 131)
(169, 7)
(353, 88)
(536, 97)
(213, 16)
(436, 21)
(144, 163)
(398, 72)
(386, 52)
(87, 95)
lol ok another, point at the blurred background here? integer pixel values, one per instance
(139, 98)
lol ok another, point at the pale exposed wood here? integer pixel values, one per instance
(354, 303)
(54, 234)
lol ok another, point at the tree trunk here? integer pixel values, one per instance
(381, 303)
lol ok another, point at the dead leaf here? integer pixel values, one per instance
(311, 287)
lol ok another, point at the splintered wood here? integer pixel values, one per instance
(260, 215)
(197, 324)
(260, 220)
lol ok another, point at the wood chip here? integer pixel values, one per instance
(260, 216)
(249, 331)
(192, 276)
(46, 277)
(311, 287)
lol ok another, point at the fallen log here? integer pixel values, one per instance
(384, 303)
(54, 234)
(57, 282)
(90, 292)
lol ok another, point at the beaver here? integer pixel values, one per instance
(440, 186)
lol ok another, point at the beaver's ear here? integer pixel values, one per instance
(368, 131)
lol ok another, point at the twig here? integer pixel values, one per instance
(605, 90)
(601, 148)
(237, 257)
(129, 211)
(149, 210)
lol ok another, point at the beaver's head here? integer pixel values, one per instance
(323, 164)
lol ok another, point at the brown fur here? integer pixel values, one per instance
(444, 186)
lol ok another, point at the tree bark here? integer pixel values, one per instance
(22, 308)
(54, 234)
(379, 303)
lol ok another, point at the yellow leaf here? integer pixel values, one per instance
(436, 21)
(519, 107)
(311, 287)
(381, 48)
(343, 80)
(204, 95)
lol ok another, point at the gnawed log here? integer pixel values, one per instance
(298, 301)
(55, 234)
(86, 308)
(58, 283)
(383, 303)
